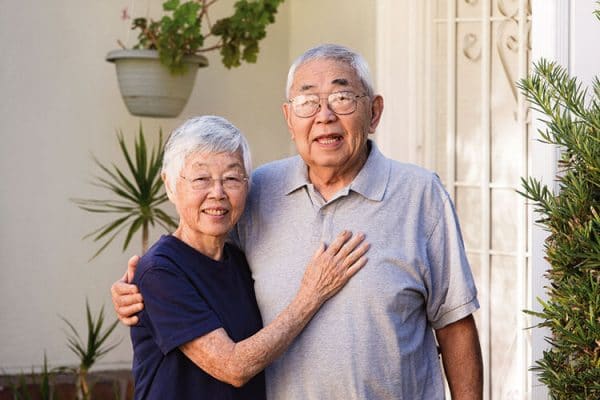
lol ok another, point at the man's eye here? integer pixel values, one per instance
(202, 179)
(343, 96)
(307, 100)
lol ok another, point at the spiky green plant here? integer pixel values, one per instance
(91, 350)
(22, 391)
(19, 389)
(46, 375)
(139, 194)
(570, 368)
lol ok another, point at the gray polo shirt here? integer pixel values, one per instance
(373, 340)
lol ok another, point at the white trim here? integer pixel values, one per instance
(485, 258)
(398, 134)
(550, 40)
(523, 321)
(450, 178)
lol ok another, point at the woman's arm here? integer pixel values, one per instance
(236, 363)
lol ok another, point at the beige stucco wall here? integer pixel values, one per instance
(61, 102)
(350, 23)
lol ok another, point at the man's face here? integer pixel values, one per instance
(327, 140)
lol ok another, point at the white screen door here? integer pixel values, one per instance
(467, 121)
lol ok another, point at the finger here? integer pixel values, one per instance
(339, 241)
(129, 321)
(130, 310)
(131, 267)
(121, 288)
(355, 254)
(355, 267)
(319, 251)
(129, 299)
(349, 246)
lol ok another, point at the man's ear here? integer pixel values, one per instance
(287, 114)
(376, 111)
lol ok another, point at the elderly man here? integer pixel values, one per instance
(377, 338)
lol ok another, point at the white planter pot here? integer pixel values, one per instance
(147, 86)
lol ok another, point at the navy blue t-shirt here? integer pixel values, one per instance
(186, 295)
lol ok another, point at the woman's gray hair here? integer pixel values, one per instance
(337, 53)
(205, 134)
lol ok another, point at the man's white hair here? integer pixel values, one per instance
(337, 53)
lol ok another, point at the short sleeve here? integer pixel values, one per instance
(174, 311)
(452, 292)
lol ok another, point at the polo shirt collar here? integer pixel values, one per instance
(372, 179)
(370, 182)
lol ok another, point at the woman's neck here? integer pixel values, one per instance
(210, 246)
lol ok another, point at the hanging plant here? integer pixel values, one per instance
(157, 75)
(179, 32)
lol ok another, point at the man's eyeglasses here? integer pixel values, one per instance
(229, 182)
(341, 103)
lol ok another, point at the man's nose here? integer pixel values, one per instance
(324, 113)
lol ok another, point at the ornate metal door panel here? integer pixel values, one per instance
(478, 49)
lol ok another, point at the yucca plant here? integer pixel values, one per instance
(139, 193)
(91, 350)
(570, 368)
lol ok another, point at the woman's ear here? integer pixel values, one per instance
(168, 189)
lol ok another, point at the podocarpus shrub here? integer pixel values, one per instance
(570, 368)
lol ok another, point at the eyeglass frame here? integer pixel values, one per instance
(243, 178)
(354, 98)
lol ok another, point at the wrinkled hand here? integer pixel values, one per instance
(127, 299)
(332, 267)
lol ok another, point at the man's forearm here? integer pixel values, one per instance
(461, 357)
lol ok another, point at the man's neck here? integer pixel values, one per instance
(328, 181)
(328, 184)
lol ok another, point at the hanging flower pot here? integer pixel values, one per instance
(148, 88)
(159, 87)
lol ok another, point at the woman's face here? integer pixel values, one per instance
(210, 195)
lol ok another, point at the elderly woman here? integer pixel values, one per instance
(200, 334)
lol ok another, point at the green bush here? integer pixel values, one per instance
(570, 368)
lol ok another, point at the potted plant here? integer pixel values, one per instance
(157, 75)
